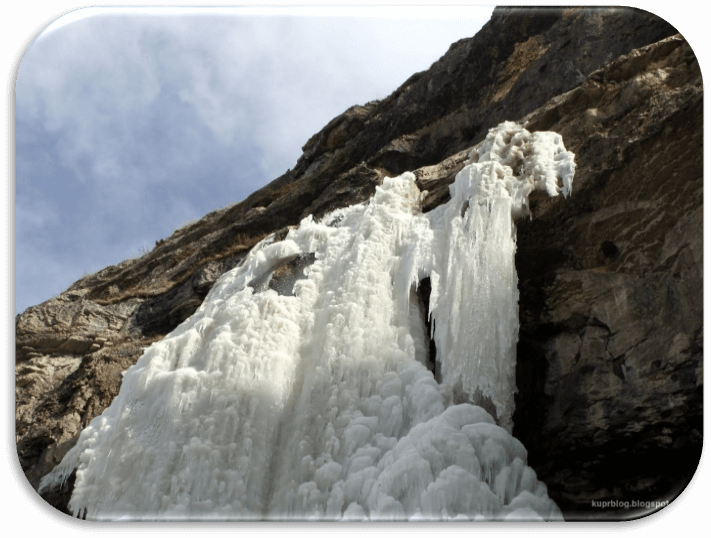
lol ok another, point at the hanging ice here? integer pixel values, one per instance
(317, 402)
(475, 302)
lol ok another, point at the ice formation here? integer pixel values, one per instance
(316, 401)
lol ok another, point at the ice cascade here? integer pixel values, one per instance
(311, 396)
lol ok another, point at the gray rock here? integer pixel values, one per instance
(610, 348)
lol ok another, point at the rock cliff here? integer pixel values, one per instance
(609, 379)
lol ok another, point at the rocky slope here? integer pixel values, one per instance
(610, 348)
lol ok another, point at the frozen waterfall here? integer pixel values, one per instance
(301, 388)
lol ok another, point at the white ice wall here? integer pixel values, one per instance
(320, 405)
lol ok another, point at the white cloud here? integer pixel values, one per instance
(145, 117)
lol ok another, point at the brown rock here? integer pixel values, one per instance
(611, 314)
(609, 357)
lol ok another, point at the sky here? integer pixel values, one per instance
(131, 122)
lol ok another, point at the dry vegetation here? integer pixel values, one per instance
(148, 277)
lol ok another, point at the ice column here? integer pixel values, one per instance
(474, 300)
(316, 401)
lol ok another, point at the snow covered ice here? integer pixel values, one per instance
(317, 401)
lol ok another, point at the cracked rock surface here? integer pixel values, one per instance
(609, 373)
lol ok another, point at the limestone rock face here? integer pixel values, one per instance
(612, 308)
(610, 347)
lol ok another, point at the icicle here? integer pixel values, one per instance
(320, 404)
